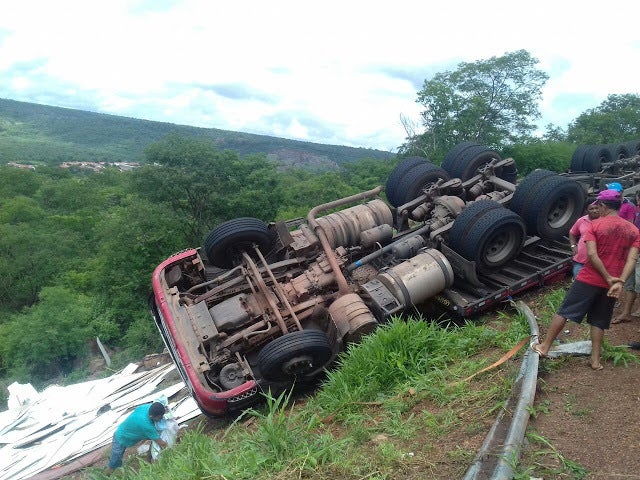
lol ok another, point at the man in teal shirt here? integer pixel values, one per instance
(139, 425)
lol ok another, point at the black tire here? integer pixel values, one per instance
(633, 147)
(396, 175)
(578, 157)
(594, 157)
(509, 173)
(451, 158)
(618, 151)
(526, 189)
(549, 205)
(487, 233)
(467, 164)
(226, 242)
(464, 162)
(294, 354)
(416, 179)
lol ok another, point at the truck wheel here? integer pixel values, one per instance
(618, 151)
(527, 189)
(396, 175)
(451, 158)
(578, 157)
(294, 354)
(413, 181)
(594, 157)
(549, 204)
(487, 233)
(633, 148)
(468, 162)
(226, 243)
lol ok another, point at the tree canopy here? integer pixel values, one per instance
(617, 119)
(492, 102)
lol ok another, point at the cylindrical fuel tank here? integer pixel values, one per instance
(352, 317)
(419, 278)
(343, 228)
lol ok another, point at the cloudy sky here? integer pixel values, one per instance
(336, 72)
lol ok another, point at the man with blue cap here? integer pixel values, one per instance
(627, 210)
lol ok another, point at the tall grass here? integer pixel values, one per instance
(410, 356)
(363, 421)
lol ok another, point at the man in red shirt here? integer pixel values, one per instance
(612, 251)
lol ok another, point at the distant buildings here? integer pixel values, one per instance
(95, 166)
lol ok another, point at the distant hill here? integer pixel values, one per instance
(44, 135)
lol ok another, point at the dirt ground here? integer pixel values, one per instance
(591, 416)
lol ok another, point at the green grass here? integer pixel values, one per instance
(397, 404)
(549, 462)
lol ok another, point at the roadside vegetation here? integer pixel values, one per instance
(399, 405)
(378, 414)
(77, 250)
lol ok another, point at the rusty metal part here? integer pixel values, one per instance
(245, 333)
(278, 289)
(345, 227)
(382, 234)
(352, 317)
(265, 291)
(318, 276)
(446, 209)
(343, 286)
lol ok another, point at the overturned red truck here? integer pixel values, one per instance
(263, 306)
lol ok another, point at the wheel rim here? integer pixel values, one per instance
(501, 245)
(561, 212)
(298, 365)
(235, 252)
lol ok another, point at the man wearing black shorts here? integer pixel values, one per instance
(612, 250)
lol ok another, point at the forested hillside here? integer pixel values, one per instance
(40, 134)
(77, 249)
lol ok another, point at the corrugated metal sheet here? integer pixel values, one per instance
(62, 424)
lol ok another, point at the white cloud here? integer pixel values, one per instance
(328, 72)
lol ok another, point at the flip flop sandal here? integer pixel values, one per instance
(618, 320)
(532, 346)
(596, 367)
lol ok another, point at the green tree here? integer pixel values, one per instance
(492, 102)
(617, 119)
(17, 181)
(133, 239)
(302, 191)
(367, 173)
(534, 154)
(47, 338)
(206, 186)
